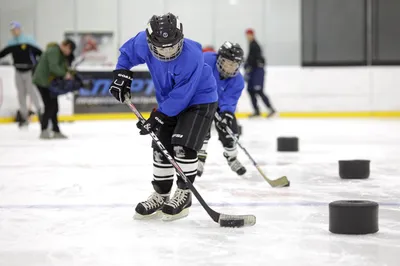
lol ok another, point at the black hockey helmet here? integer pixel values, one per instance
(230, 57)
(165, 36)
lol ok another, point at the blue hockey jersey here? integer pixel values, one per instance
(179, 83)
(229, 90)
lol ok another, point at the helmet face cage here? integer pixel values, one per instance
(166, 54)
(230, 57)
(227, 68)
(165, 37)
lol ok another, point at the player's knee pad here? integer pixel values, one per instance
(187, 159)
(168, 147)
(158, 157)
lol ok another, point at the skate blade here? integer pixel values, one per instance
(169, 217)
(157, 215)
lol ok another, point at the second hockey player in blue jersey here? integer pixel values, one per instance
(230, 85)
(187, 96)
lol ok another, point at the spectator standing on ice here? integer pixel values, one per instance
(255, 72)
(24, 51)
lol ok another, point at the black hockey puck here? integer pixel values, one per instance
(353, 217)
(354, 169)
(231, 223)
(288, 144)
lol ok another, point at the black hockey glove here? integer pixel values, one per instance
(155, 121)
(226, 121)
(121, 85)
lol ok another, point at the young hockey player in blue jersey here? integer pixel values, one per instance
(187, 97)
(230, 85)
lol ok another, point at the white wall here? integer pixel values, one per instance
(336, 89)
(134, 15)
(276, 22)
(50, 26)
(20, 10)
(283, 32)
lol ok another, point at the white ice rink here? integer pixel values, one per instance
(70, 202)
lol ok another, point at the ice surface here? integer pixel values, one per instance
(70, 202)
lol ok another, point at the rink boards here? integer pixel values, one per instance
(296, 92)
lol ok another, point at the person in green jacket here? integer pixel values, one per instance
(52, 64)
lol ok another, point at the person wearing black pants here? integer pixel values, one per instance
(255, 73)
(53, 65)
(50, 111)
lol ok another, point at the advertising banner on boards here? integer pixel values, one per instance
(98, 99)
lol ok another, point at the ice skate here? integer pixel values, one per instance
(59, 135)
(23, 124)
(178, 206)
(151, 208)
(235, 165)
(254, 115)
(271, 113)
(45, 134)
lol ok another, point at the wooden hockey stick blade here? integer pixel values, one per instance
(280, 182)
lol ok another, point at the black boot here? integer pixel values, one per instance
(178, 206)
(151, 208)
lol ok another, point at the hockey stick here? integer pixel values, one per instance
(77, 62)
(224, 220)
(280, 182)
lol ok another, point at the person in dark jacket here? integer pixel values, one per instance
(255, 72)
(53, 64)
(25, 52)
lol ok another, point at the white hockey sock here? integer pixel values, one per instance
(188, 166)
(187, 161)
(163, 172)
(231, 152)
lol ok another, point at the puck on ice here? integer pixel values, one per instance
(232, 223)
(288, 144)
(354, 169)
(353, 217)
